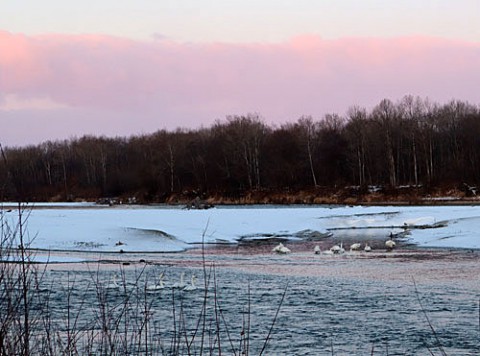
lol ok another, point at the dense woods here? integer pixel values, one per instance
(412, 142)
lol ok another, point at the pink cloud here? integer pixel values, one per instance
(167, 84)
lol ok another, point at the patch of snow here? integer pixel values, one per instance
(164, 229)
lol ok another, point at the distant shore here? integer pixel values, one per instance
(342, 196)
(290, 200)
(353, 195)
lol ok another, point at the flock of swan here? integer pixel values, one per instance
(279, 249)
(337, 249)
(159, 284)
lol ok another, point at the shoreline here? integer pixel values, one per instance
(85, 204)
(409, 195)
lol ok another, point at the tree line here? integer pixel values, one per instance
(413, 142)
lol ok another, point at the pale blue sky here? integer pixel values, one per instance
(244, 20)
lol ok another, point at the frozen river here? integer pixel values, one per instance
(92, 228)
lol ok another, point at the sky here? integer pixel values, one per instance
(129, 67)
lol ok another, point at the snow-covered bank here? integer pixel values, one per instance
(168, 229)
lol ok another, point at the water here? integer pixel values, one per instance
(357, 304)
(411, 301)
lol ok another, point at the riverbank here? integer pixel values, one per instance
(320, 195)
(352, 195)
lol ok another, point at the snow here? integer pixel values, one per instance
(86, 227)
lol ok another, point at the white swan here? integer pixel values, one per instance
(390, 244)
(281, 249)
(317, 250)
(180, 284)
(113, 283)
(159, 285)
(335, 248)
(355, 247)
(367, 248)
(191, 286)
(338, 249)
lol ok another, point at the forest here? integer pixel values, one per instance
(413, 142)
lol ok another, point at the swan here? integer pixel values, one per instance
(355, 247)
(367, 248)
(180, 284)
(285, 250)
(281, 249)
(113, 283)
(337, 249)
(191, 286)
(159, 285)
(390, 244)
(317, 250)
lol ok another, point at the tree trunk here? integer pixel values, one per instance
(172, 168)
(415, 167)
(391, 162)
(311, 162)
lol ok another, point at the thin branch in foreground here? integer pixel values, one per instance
(267, 339)
(417, 294)
(248, 321)
(227, 329)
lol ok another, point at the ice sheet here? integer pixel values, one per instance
(166, 229)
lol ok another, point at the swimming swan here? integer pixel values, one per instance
(180, 284)
(113, 283)
(191, 286)
(159, 285)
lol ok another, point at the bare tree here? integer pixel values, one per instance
(356, 129)
(385, 114)
(309, 128)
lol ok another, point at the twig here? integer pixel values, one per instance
(217, 319)
(226, 328)
(428, 319)
(274, 320)
(205, 293)
(248, 321)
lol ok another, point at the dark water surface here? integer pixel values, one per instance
(354, 304)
